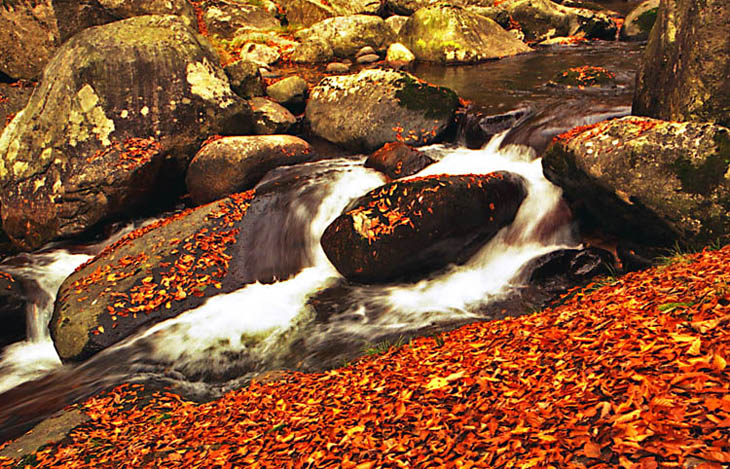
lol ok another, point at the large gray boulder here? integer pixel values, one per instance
(309, 12)
(235, 164)
(224, 18)
(29, 37)
(645, 180)
(115, 104)
(74, 16)
(449, 34)
(365, 111)
(684, 74)
(639, 22)
(346, 35)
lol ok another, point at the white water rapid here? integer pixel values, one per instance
(266, 326)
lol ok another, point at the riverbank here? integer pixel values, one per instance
(627, 372)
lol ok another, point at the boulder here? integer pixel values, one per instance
(406, 8)
(367, 59)
(648, 181)
(234, 164)
(639, 22)
(449, 34)
(543, 19)
(175, 264)
(29, 37)
(12, 310)
(260, 54)
(348, 34)
(74, 16)
(398, 56)
(224, 18)
(561, 270)
(398, 160)
(271, 118)
(337, 67)
(115, 104)
(416, 226)
(245, 78)
(291, 92)
(396, 23)
(686, 64)
(365, 111)
(309, 12)
(312, 51)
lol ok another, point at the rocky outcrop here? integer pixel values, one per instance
(686, 64)
(416, 226)
(309, 12)
(224, 18)
(12, 310)
(74, 16)
(116, 103)
(234, 164)
(645, 180)
(365, 111)
(448, 34)
(348, 34)
(639, 22)
(29, 37)
(398, 160)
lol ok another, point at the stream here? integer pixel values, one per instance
(316, 320)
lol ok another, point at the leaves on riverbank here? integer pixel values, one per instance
(614, 377)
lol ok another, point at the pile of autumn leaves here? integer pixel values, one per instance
(633, 374)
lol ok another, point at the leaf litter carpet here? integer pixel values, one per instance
(631, 372)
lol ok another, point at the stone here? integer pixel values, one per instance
(396, 23)
(271, 118)
(29, 37)
(648, 181)
(245, 78)
(260, 54)
(309, 12)
(409, 228)
(367, 50)
(291, 92)
(407, 7)
(348, 34)
(397, 160)
(312, 51)
(224, 18)
(639, 22)
(74, 16)
(448, 34)
(398, 56)
(683, 75)
(235, 164)
(120, 112)
(561, 270)
(363, 112)
(337, 67)
(367, 59)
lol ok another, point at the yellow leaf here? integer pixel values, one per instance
(694, 349)
(355, 429)
(718, 362)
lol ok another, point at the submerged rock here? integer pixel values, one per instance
(449, 34)
(645, 180)
(365, 111)
(585, 76)
(29, 37)
(684, 72)
(398, 160)
(116, 103)
(639, 22)
(235, 164)
(413, 227)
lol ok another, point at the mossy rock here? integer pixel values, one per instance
(639, 21)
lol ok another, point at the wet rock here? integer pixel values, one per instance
(29, 37)
(290, 92)
(113, 107)
(234, 164)
(398, 160)
(337, 67)
(413, 227)
(684, 72)
(449, 34)
(260, 54)
(245, 78)
(365, 111)
(348, 34)
(225, 17)
(74, 16)
(271, 118)
(12, 310)
(309, 12)
(563, 269)
(639, 22)
(399, 57)
(648, 181)
(478, 130)
(312, 51)
(396, 23)
(543, 19)
(175, 264)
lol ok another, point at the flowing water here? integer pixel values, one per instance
(315, 319)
